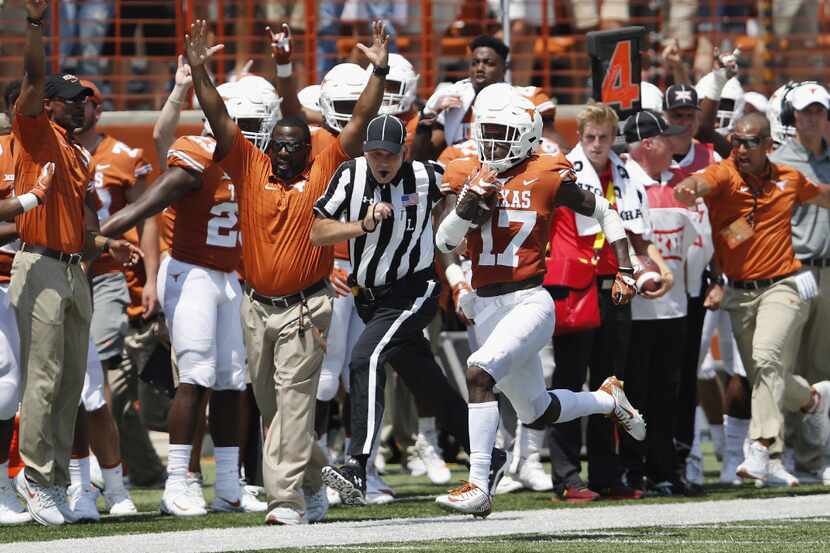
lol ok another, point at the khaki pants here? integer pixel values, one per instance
(54, 309)
(767, 325)
(285, 369)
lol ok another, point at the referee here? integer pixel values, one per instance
(383, 206)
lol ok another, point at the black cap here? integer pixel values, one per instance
(680, 96)
(385, 132)
(647, 124)
(64, 86)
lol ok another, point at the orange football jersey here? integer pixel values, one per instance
(117, 168)
(511, 246)
(206, 228)
(6, 190)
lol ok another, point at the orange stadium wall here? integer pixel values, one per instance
(135, 128)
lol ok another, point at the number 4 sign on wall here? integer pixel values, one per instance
(615, 67)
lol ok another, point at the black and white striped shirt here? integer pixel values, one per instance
(404, 243)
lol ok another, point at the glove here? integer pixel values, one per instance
(459, 292)
(466, 302)
(623, 289)
(807, 285)
(44, 181)
(478, 197)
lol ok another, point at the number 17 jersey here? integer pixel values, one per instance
(511, 246)
(206, 227)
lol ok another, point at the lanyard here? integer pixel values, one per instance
(611, 196)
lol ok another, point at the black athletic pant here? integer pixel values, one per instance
(394, 334)
(684, 422)
(651, 385)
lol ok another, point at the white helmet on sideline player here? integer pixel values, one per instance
(339, 91)
(651, 97)
(500, 104)
(253, 104)
(401, 86)
(309, 97)
(778, 130)
(731, 105)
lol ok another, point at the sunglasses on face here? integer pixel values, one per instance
(749, 143)
(290, 146)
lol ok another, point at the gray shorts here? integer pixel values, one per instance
(110, 298)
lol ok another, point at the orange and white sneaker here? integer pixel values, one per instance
(468, 499)
(624, 413)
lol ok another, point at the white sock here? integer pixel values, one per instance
(718, 437)
(227, 473)
(347, 447)
(4, 473)
(574, 405)
(532, 441)
(178, 458)
(79, 474)
(426, 425)
(113, 478)
(736, 431)
(484, 423)
(323, 442)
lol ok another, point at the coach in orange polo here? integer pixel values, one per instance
(49, 290)
(750, 201)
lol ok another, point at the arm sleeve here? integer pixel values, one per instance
(716, 176)
(240, 161)
(189, 154)
(332, 204)
(36, 137)
(805, 188)
(325, 166)
(436, 175)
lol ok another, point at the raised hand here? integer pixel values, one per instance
(729, 62)
(36, 8)
(378, 53)
(184, 77)
(196, 44)
(281, 46)
(671, 53)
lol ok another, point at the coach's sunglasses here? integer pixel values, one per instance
(749, 143)
(290, 146)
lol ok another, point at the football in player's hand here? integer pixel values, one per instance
(647, 275)
(486, 205)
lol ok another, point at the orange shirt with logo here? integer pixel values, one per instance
(59, 224)
(321, 138)
(511, 246)
(276, 219)
(6, 189)
(117, 168)
(769, 252)
(206, 223)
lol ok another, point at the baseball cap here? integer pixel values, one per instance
(64, 86)
(680, 96)
(96, 96)
(647, 124)
(807, 94)
(385, 132)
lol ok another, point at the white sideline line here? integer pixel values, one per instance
(544, 521)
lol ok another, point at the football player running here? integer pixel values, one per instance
(506, 199)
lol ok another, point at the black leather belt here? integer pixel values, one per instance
(507, 287)
(68, 258)
(816, 262)
(375, 293)
(756, 284)
(286, 301)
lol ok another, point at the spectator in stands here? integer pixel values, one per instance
(330, 12)
(83, 31)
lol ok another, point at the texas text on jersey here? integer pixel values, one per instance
(206, 230)
(511, 246)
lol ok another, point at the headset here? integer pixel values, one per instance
(787, 109)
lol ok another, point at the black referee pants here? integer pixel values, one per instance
(394, 334)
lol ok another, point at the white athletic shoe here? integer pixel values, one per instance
(11, 511)
(426, 446)
(378, 492)
(756, 463)
(96, 474)
(694, 470)
(824, 475)
(195, 481)
(332, 496)
(285, 516)
(778, 476)
(508, 484)
(468, 499)
(380, 463)
(82, 501)
(416, 466)
(532, 474)
(316, 504)
(62, 503)
(180, 499)
(41, 501)
(247, 503)
(119, 502)
(624, 413)
(817, 423)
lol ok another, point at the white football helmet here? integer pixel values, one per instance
(401, 86)
(731, 105)
(252, 103)
(309, 97)
(651, 97)
(339, 91)
(500, 104)
(778, 130)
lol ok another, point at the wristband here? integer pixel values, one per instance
(626, 270)
(285, 70)
(381, 71)
(36, 23)
(28, 201)
(454, 274)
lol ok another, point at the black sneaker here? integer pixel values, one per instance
(348, 480)
(499, 461)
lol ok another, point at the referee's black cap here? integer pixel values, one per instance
(385, 132)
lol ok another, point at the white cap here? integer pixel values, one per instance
(807, 94)
(756, 100)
